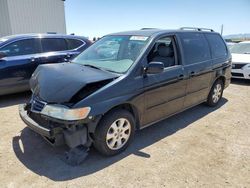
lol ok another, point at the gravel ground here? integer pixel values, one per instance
(208, 147)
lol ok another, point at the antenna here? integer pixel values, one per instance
(221, 30)
(147, 28)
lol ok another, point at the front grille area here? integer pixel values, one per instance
(238, 66)
(43, 121)
(237, 74)
(37, 105)
(38, 119)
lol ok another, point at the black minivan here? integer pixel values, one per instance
(125, 82)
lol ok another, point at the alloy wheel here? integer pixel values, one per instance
(217, 93)
(118, 134)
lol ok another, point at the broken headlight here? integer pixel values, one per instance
(65, 113)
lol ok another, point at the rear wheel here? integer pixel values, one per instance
(115, 132)
(215, 93)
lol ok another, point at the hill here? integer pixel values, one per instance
(238, 36)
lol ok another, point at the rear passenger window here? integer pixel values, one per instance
(53, 44)
(74, 43)
(195, 47)
(218, 46)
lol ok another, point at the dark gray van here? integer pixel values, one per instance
(124, 82)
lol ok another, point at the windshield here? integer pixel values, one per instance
(241, 48)
(113, 53)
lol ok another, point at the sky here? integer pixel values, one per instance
(95, 18)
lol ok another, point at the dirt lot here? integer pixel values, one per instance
(199, 147)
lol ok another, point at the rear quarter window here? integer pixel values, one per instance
(195, 47)
(74, 43)
(217, 45)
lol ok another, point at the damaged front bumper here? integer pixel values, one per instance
(71, 133)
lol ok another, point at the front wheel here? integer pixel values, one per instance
(215, 93)
(115, 132)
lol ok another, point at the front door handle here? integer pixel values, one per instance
(192, 74)
(67, 57)
(32, 59)
(181, 77)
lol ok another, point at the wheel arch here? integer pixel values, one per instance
(130, 108)
(220, 77)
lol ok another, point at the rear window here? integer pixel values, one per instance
(74, 43)
(218, 47)
(195, 47)
(53, 44)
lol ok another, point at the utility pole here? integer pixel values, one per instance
(221, 31)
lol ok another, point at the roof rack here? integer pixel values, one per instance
(196, 29)
(147, 28)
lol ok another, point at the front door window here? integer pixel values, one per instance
(21, 47)
(163, 51)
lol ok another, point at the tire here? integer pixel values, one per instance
(114, 132)
(215, 93)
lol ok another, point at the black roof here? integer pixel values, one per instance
(150, 32)
(144, 32)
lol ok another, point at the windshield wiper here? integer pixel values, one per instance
(247, 53)
(112, 71)
(92, 66)
(99, 68)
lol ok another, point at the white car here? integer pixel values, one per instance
(241, 60)
(230, 44)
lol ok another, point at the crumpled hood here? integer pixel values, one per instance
(58, 83)
(240, 58)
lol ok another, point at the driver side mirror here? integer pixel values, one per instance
(2, 55)
(154, 68)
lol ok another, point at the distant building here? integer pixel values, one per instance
(32, 16)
